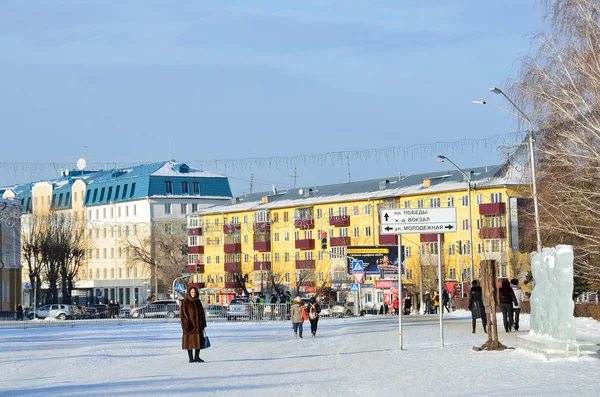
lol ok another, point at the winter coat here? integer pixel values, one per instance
(407, 303)
(312, 302)
(193, 322)
(396, 303)
(476, 302)
(427, 300)
(507, 295)
(445, 297)
(519, 295)
(297, 312)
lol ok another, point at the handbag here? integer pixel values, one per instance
(206, 341)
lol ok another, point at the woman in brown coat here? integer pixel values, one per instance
(193, 322)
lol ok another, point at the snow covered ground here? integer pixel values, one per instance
(349, 357)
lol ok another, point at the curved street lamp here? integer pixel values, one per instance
(523, 116)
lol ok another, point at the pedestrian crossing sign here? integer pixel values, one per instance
(357, 267)
(354, 287)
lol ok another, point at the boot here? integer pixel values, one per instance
(483, 321)
(197, 358)
(474, 323)
(190, 355)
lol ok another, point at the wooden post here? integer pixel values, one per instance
(489, 286)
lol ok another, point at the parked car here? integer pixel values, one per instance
(345, 309)
(59, 311)
(239, 308)
(161, 308)
(325, 309)
(125, 312)
(214, 310)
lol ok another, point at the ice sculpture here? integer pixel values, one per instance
(552, 298)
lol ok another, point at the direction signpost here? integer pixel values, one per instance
(435, 220)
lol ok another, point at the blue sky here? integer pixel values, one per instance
(138, 81)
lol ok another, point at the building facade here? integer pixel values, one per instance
(10, 258)
(275, 238)
(124, 213)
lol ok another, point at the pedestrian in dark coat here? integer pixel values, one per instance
(476, 305)
(193, 322)
(313, 315)
(427, 302)
(445, 301)
(507, 300)
(407, 305)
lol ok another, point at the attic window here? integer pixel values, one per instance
(184, 169)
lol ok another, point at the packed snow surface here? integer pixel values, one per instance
(349, 357)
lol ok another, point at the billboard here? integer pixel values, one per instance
(373, 256)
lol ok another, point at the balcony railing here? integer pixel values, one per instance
(339, 220)
(191, 268)
(232, 247)
(431, 238)
(195, 249)
(229, 228)
(388, 239)
(304, 223)
(195, 231)
(305, 264)
(262, 246)
(231, 284)
(305, 244)
(492, 209)
(262, 226)
(266, 265)
(232, 267)
(492, 232)
(339, 241)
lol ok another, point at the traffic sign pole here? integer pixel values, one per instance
(400, 290)
(441, 308)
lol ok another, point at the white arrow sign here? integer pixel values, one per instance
(418, 220)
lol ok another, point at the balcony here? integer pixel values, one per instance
(192, 268)
(305, 264)
(492, 209)
(232, 267)
(261, 246)
(262, 226)
(340, 220)
(305, 244)
(195, 231)
(492, 232)
(232, 247)
(388, 239)
(339, 241)
(266, 265)
(231, 284)
(304, 223)
(195, 249)
(230, 228)
(431, 238)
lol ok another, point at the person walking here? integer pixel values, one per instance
(313, 315)
(517, 308)
(507, 301)
(193, 322)
(436, 302)
(427, 302)
(445, 301)
(298, 315)
(19, 313)
(476, 305)
(396, 305)
(407, 305)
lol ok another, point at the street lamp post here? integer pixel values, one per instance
(472, 266)
(523, 116)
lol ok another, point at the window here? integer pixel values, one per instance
(478, 199)
(355, 210)
(479, 248)
(496, 198)
(367, 209)
(434, 202)
(196, 187)
(286, 236)
(287, 277)
(117, 190)
(320, 255)
(407, 252)
(408, 274)
(464, 201)
(452, 274)
(245, 219)
(208, 260)
(184, 208)
(126, 210)
(430, 248)
(277, 257)
(297, 256)
(103, 213)
(132, 190)
(450, 201)
(167, 208)
(276, 237)
(194, 207)
(330, 212)
(169, 187)
(109, 194)
(245, 258)
(97, 213)
(184, 188)
(321, 277)
(285, 216)
(478, 224)
(286, 257)
(297, 235)
(124, 192)
(368, 231)
(101, 194)
(104, 253)
(465, 225)
(216, 222)
(451, 248)
(216, 259)
(356, 232)
(420, 203)
(95, 195)
(97, 253)
(112, 253)
(246, 239)
(119, 212)
(168, 229)
(319, 213)
(343, 232)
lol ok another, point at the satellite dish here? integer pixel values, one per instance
(81, 163)
(300, 191)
